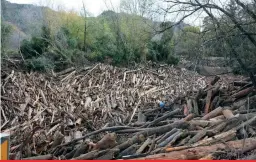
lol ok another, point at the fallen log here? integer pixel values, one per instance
(208, 101)
(140, 136)
(177, 111)
(243, 93)
(41, 157)
(213, 113)
(200, 152)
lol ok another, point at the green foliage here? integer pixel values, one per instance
(37, 45)
(40, 63)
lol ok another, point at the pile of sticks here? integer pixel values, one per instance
(104, 112)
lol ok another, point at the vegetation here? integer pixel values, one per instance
(72, 39)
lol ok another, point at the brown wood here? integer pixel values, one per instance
(41, 157)
(168, 115)
(243, 93)
(199, 152)
(208, 102)
(107, 142)
(189, 117)
(228, 114)
(213, 113)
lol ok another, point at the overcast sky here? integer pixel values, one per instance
(95, 7)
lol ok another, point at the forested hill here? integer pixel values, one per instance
(27, 20)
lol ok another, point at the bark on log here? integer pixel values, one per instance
(151, 131)
(208, 102)
(213, 113)
(170, 114)
(199, 152)
(189, 117)
(243, 93)
(41, 157)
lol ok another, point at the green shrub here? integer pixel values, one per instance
(95, 56)
(37, 45)
(172, 60)
(41, 63)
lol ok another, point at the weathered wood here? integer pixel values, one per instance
(213, 113)
(198, 136)
(189, 117)
(199, 152)
(167, 140)
(228, 114)
(174, 130)
(208, 102)
(41, 157)
(151, 131)
(143, 146)
(168, 115)
(89, 156)
(107, 142)
(243, 93)
(215, 80)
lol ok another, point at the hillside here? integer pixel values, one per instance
(27, 20)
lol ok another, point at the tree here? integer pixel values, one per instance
(231, 23)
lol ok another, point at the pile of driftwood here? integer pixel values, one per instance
(103, 112)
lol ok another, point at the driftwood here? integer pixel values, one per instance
(41, 157)
(105, 112)
(162, 118)
(213, 113)
(199, 152)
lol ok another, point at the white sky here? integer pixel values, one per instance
(94, 7)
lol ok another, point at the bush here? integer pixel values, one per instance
(37, 45)
(95, 56)
(41, 63)
(172, 60)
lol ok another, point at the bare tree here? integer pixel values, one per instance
(85, 27)
(214, 10)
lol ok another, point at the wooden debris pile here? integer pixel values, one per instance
(103, 112)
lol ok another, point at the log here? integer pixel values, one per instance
(213, 113)
(243, 93)
(143, 146)
(107, 142)
(225, 136)
(205, 123)
(228, 114)
(166, 141)
(129, 151)
(167, 135)
(198, 136)
(140, 136)
(208, 102)
(41, 157)
(241, 83)
(89, 156)
(96, 132)
(108, 155)
(189, 117)
(168, 115)
(215, 103)
(249, 122)
(199, 152)
(83, 147)
(215, 80)
(195, 107)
